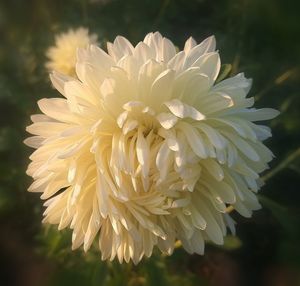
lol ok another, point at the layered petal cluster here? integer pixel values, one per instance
(63, 56)
(145, 148)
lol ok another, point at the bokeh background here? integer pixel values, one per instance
(261, 38)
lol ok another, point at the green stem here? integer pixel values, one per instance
(282, 165)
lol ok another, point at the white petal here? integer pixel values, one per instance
(168, 50)
(142, 150)
(259, 114)
(56, 108)
(58, 80)
(122, 47)
(243, 146)
(213, 135)
(214, 169)
(182, 110)
(189, 44)
(176, 63)
(34, 141)
(167, 120)
(143, 52)
(209, 64)
(163, 159)
(194, 138)
(234, 83)
(207, 46)
(161, 88)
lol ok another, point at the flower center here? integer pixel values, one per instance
(138, 116)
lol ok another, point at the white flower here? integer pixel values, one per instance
(146, 148)
(62, 56)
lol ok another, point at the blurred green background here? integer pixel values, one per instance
(261, 38)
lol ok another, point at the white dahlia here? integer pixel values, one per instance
(146, 148)
(63, 56)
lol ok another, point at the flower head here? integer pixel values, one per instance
(146, 148)
(62, 56)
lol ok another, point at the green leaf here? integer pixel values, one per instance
(224, 72)
(231, 242)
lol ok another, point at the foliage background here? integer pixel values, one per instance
(258, 37)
